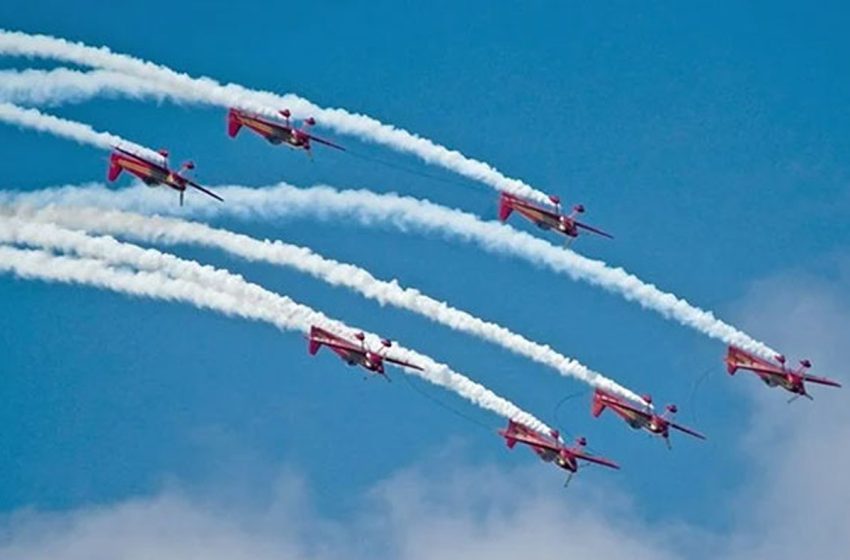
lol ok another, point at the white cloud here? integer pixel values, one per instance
(485, 512)
(799, 503)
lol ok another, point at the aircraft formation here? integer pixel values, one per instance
(354, 350)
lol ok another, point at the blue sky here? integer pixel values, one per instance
(711, 140)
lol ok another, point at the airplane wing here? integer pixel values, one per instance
(766, 368)
(686, 430)
(594, 230)
(593, 459)
(533, 441)
(537, 213)
(402, 363)
(617, 403)
(329, 339)
(158, 164)
(205, 191)
(344, 350)
(745, 360)
(325, 142)
(339, 344)
(821, 380)
(531, 210)
(130, 154)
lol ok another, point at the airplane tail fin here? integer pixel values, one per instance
(233, 123)
(507, 433)
(313, 344)
(731, 362)
(505, 208)
(597, 406)
(114, 169)
(314, 347)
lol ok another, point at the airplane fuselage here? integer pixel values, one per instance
(367, 360)
(372, 363)
(546, 220)
(567, 463)
(275, 133)
(549, 456)
(652, 424)
(788, 381)
(149, 173)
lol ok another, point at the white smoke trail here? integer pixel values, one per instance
(410, 214)
(78, 132)
(210, 288)
(172, 231)
(63, 85)
(206, 90)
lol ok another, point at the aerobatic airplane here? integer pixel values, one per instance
(277, 132)
(355, 353)
(153, 174)
(776, 374)
(547, 218)
(551, 449)
(640, 418)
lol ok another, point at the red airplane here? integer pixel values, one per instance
(277, 132)
(153, 174)
(547, 218)
(640, 418)
(551, 449)
(355, 353)
(776, 375)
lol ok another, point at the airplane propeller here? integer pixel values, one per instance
(798, 395)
